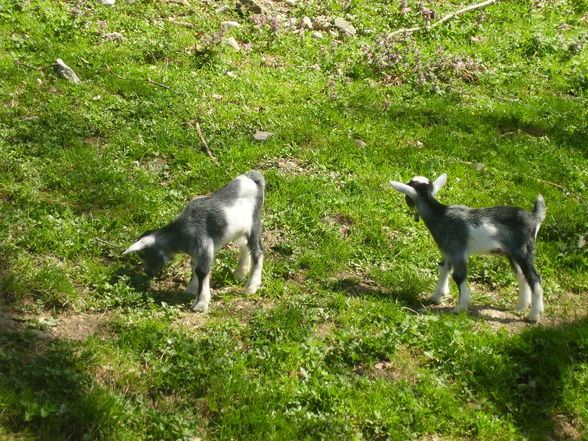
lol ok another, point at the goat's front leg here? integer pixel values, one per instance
(460, 278)
(193, 286)
(202, 270)
(203, 299)
(443, 285)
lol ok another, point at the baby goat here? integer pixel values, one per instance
(231, 213)
(462, 231)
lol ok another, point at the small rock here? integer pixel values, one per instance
(233, 43)
(114, 36)
(217, 97)
(222, 9)
(260, 135)
(231, 74)
(230, 24)
(244, 6)
(290, 2)
(106, 2)
(39, 81)
(306, 23)
(360, 142)
(344, 27)
(321, 23)
(66, 72)
(317, 34)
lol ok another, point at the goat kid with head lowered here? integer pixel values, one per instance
(231, 213)
(461, 231)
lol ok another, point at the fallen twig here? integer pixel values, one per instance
(444, 19)
(206, 148)
(110, 244)
(157, 84)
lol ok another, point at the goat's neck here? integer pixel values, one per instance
(169, 240)
(429, 209)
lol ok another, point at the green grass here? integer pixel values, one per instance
(332, 346)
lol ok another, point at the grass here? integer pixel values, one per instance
(332, 346)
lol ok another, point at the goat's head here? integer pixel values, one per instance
(150, 253)
(419, 186)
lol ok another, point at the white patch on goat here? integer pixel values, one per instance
(482, 239)
(239, 216)
(421, 180)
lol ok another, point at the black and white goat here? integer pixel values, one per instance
(231, 213)
(462, 231)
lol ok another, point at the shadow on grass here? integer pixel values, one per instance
(46, 392)
(540, 364)
(353, 287)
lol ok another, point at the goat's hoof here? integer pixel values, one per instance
(249, 290)
(534, 318)
(523, 306)
(435, 299)
(239, 275)
(199, 307)
(460, 308)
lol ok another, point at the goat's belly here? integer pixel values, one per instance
(482, 240)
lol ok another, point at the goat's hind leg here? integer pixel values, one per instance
(257, 253)
(244, 259)
(534, 281)
(443, 284)
(524, 289)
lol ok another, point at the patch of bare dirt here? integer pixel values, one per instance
(79, 326)
(564, 429)
(404, 366)
(343, 221)
(289, 166)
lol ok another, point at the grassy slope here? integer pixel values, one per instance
(319, 353)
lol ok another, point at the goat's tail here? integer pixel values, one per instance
(256, 177)
(539, 210)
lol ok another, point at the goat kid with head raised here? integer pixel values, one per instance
(231, 213)
(461, 231)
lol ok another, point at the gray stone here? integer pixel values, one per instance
(66, 72)
(233, 43)
(306, 23)
(230, 24)
(260, 135)
(321, 23)
(114, 36)
(317, 34)
(344, 27)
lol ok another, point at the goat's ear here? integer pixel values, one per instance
(141, 244)
(439, 183)
(403, 188)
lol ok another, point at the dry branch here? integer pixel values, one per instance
(444, 19)
(206, 148)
